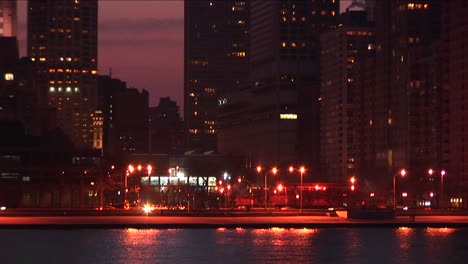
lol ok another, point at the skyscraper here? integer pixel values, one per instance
(216, 55)
(274, 120)
(62, 40)
(342, 48)
(8, 18)
(455, 85)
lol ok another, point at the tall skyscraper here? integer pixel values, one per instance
(402, 111)
(342, 48)
(216, 54)
(62, 40)
(455, 85)
(275, 119)
(8, 18)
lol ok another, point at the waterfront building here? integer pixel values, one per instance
(62, 40)
(215, 63)
(340, 124)
(455, 85)
(274, 119)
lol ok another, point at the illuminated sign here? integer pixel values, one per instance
(288, 116)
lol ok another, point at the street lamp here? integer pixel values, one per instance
(402, 173)
(274, 170)
(301, 170)
(442, 174)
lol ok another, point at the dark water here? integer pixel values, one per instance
(346, 245)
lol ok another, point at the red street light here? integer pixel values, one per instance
(430, 171)
(402, 173)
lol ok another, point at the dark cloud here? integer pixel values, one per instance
(141, 25)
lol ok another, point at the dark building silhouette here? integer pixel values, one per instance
(275, 119)
(46, 171)
(216, 54)
(107, 88)
(62, 40)
(17, 84)
(340, 97)
(128, 131)
(455, 85)
(166, 127)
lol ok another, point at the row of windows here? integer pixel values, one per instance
(74, 71)
(53, 89)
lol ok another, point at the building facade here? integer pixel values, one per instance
(8, 18)
(216, 54)
(342, 48)
(62, 40)
(455, 85)
(275, 119)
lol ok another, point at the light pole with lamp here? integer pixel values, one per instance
(274, 170)
(301, 170)
(442, 174)
(402, 173)
(129, 171)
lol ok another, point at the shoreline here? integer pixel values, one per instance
(228, 222)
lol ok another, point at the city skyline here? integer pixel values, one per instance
(155, 35)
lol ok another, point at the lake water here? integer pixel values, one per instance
(275, 245)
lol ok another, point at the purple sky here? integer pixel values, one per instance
(142, 41)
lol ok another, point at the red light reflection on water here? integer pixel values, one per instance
(443, 231)
(404, 235)
(139, 237)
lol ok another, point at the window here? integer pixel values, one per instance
(9, 77)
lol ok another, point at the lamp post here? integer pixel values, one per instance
(301, 171)
(402, 173)
(274, 170)
(130, 170)
(442, 174)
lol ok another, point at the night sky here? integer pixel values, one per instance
(142, 41)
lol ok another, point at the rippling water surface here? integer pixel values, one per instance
(327, 245)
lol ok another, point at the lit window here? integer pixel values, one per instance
(68, 90)
(288, 116)
(60, 89)
(9, 77)
(77, 89)
(52, 89)
(283, 44)
(293, 44)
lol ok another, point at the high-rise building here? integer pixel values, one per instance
(455, 85)
(274, 120)
(62, 40)
(342, 48)
(128, 131)
(216, 55)
(8, 18)
(403, 110)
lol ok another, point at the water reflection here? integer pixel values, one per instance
(237, 245)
